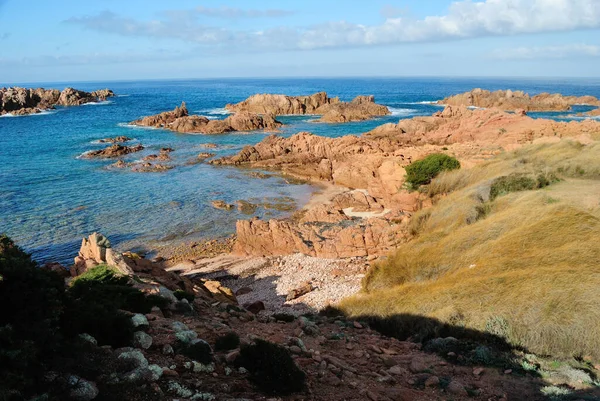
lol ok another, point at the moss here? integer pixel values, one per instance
(227, 342)
(271, 368)
(422, 171)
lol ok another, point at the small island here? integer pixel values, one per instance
(23, 101)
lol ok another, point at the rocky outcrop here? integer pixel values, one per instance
(331, 109)
(179, 120)
(118, 139)
(366, 223)
(23, 101)
(513, 100)
(115, 150)
(95, 250)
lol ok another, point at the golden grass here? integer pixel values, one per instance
(530, 259)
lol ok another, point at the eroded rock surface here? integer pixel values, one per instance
(513, 100)
(373, 221)
(179, 120)
(23, 101)
(115, 150)
(331, 109)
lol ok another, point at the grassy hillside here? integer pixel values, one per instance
(524, 264)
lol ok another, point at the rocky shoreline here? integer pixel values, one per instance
(22, 101)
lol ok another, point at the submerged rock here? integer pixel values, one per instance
(115, 150)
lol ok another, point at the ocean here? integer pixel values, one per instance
(50, 197)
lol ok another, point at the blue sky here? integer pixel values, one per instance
(75, 40)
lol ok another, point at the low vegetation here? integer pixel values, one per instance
(509, 250)
(41, 321)
(227, 342)
(422, 171)
(272, 368)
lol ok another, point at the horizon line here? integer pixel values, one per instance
(17, 83)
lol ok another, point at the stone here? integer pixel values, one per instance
(432, 381)
(243, 291)
(457, 388)
(139, 321)
(142, 340)
(88, 338)
(418, 365)
(397, 370)
(304, 289)
(478, 371)
(134, 358)
(255, 307)
(167, 349)
(81, 389)
(186, 336)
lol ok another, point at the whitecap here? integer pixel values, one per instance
(102, 103)
(401, 112)
(428, 102)
(133, 126)
(217, 111)
(42, 113)
(122, 95)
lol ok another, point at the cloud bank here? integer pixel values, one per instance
(464, 19)
(547, 52)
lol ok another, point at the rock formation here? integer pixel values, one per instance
(331, 109)
(96, 249)
(22, 101)
(115, 150)
(118, 139)
(513, 100)
(179, 120)
(375, 162)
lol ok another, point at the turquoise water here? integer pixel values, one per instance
(50, 198)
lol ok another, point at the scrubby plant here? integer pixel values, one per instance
(284, 317)
(520, 182)
(422, 171)
(181, 294)
(31, 304)
(199, 351)
(227, 342)
(272, 368)
(95, 301)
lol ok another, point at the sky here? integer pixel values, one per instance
(99, 40)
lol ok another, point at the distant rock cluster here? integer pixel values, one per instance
(179, 120)
(514, 100)
(332, 110)
(23, 101)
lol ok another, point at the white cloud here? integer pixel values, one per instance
(546, 52)
(465, 19)
(235, 13)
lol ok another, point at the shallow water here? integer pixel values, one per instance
(50, 198)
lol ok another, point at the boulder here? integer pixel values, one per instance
(115, 150)
(96, 249)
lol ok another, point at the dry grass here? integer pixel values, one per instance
(530, 260)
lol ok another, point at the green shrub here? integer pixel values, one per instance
(227, 342)
(423, 171)
(181, 294)
(271, 368)
(284, 317)
(31, 304)
(519, 182)
(95, 301)
(199, 351)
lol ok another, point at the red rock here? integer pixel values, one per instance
(255, 307)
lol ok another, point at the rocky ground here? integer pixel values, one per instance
(342, 359)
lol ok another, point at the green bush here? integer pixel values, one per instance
(31, 305)
(199, 351)
(95, 301)
(227, 342)
(271, 368)
(519, 182)
(422, 171)
(284, 317)
(181, 294)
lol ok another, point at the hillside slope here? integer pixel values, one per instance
(522, 264)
